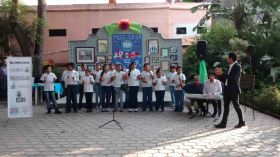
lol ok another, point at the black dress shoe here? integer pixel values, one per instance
(240, 125)
(190, 113)
(58, 112)
(214, 115)
(221, 125)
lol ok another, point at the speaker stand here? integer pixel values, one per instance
(113, 120)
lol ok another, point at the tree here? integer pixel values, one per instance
(39, 44)
(256, 21)
(14, 27)
(217, 37)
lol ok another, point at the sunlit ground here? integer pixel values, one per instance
(144, 134)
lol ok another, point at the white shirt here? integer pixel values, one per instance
(118, 81)
(81, 74)
(159, 86)
(48, 81)
(213, 88)
(147, 76)
(170, 76)
(87, 81)
(97, 75)
(71, 77)
(132, 78)
(112, 73)
(229, 69)
(106, 79)
(177, 79)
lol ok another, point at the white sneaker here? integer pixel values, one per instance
(136, 110)
(130, 110)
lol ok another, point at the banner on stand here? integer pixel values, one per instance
(19, 77)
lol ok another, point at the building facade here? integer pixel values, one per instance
(76, 22)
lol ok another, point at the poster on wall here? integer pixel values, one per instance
(19, 77)
(127, 48)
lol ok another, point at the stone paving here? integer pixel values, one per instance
(148, 134)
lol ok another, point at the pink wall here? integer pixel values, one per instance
(80, 19)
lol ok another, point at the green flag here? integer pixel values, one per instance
(202, 71)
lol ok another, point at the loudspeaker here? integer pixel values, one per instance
(201, 48)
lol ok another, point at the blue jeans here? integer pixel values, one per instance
(118, 96)
(171, 90)
(147, 98)
(106, 94)
(50, 95)
(160, 99)
(97, 90)
(133, 92)
(179, 100)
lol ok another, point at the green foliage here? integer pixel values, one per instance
(217, 39)
(238, 45)
(190, 62)
(39, 23)
(11, 13)
(267, 98)
(17, 12)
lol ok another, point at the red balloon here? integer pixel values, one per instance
(124, 24)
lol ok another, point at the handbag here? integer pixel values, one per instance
(124, 87)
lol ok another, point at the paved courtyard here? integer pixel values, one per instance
(145, 134)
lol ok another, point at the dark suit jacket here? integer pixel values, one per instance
(233, 85)
(194, 89)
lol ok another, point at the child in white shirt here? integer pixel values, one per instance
(97, 85)
(159, 83)
(106, 80)
(179, 80)
(119, 77)
(71, 79)
(147, 77)
(88, 81)
(49, 78)
(171, 85)
(133, 77)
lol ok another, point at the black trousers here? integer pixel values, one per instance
(71, 96)
(216, 105)
(89, 104)
(113, 96)
(133, 92)
(81, 93)
(105, 95)
(159, 99)
(234, 98)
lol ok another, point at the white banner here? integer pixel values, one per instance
(19, 76)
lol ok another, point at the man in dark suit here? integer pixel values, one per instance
(232, 90)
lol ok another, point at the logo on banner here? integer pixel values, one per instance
(127, 48)
(19, 98)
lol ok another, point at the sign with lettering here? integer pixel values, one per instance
(19, 77)
(127, 48)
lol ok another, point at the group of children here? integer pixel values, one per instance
(110, 83)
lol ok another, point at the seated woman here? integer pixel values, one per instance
(195, 88)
